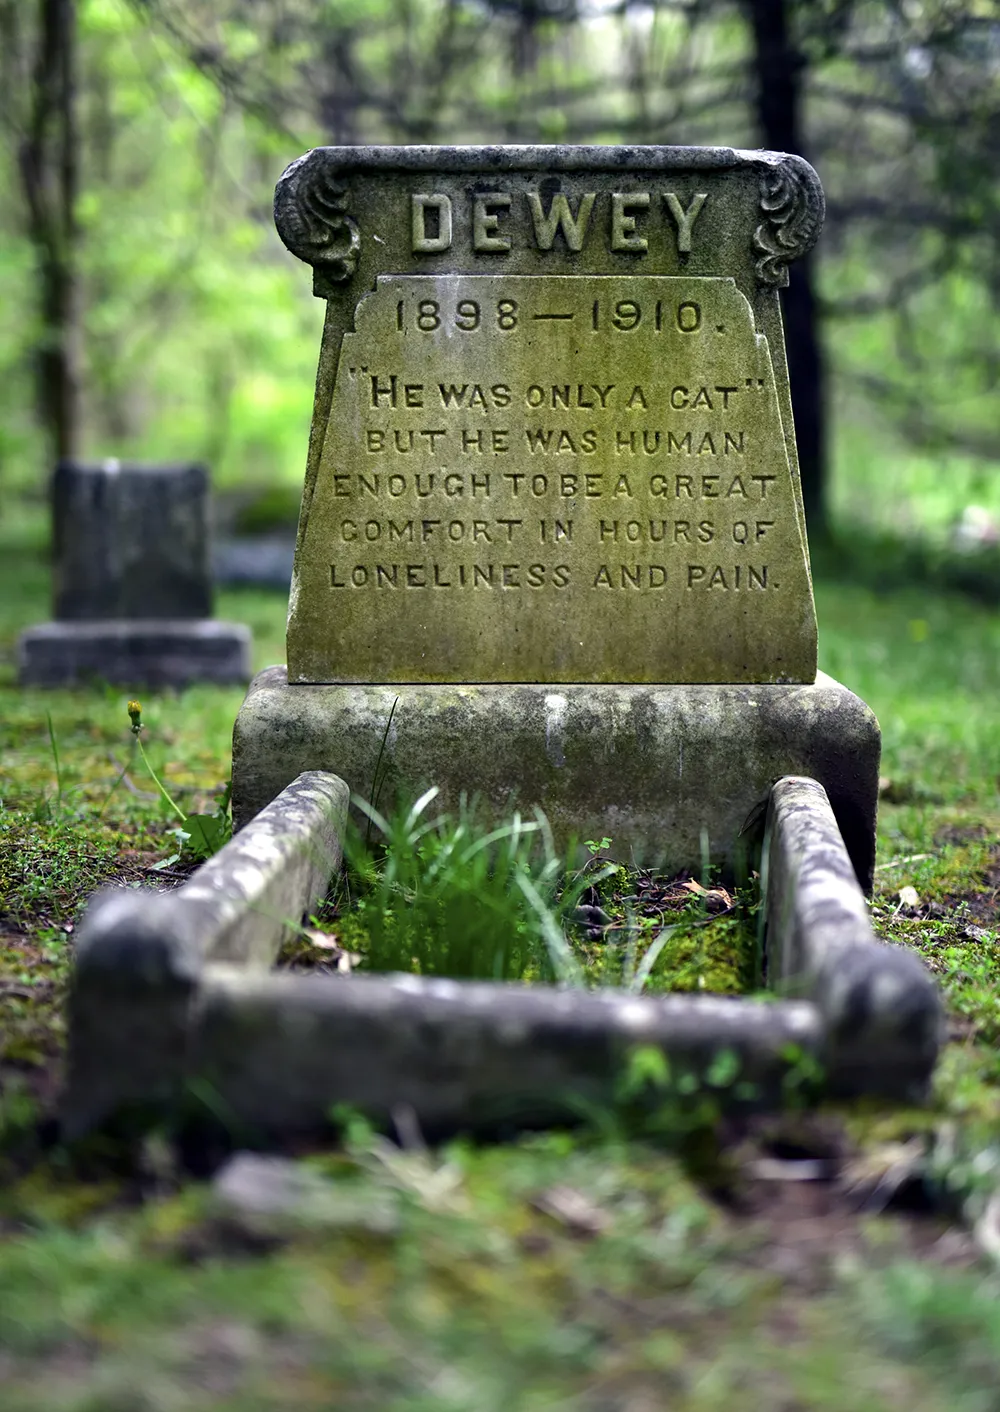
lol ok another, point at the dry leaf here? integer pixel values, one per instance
(324, 940)
(572, 1209)
(802, 1169)
(343, 961)
(909, 897)
(871, 1179)
(716, 898)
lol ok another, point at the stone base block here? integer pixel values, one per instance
(135, 652)
(654, 768)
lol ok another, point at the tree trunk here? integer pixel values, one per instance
(779, 66)
(49, 160)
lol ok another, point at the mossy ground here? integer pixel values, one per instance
(697, 939)
(682, 1273)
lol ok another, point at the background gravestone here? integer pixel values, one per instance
(131, 586)
(130, 541)
(552, 517)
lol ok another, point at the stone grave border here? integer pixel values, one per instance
(173, 996)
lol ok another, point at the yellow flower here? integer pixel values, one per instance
(135, 716)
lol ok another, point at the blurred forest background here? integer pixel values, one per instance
(149, 310)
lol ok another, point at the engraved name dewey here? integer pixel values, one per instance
(627, 212)
(551, 478)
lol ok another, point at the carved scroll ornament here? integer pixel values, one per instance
(311, 217)
(793, 207)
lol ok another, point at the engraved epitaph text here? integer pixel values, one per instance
(550, 478)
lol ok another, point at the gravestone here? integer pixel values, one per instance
(132, 591)
(552, 522)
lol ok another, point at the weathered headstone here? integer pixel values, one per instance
(130, 541)
(132, 591)
(552, 447)
(556, 443)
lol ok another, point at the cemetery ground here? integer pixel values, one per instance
(840, 1258)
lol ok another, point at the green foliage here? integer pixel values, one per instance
(929, 666)
(276, 507)
(945, 1325)
(499, 1296)
(448, 898)
(200, 835)
(210, 832)
(909, 495)
(200, 333)
(451, 897)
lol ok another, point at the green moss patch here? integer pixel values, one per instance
(943, 901)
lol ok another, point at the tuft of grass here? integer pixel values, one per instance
(448, 898)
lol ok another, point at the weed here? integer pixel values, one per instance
(55, 759)
(378, 774)
(451, 897)
(447, 898)
(199, 835)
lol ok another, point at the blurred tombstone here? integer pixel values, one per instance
(132, 589)
(130, 542)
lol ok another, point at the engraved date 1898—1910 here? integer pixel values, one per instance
(622, 315)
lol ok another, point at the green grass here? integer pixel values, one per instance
(480, 1295)
(440, 896)
(880, 482)
(929, 665)
(447, 897)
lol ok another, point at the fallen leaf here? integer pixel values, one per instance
(871, 1179)
(909, 897)
(572, 1209)
(716, 898)
(343, 961)
(326, 941)
(974, 933)
(802, 1169)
